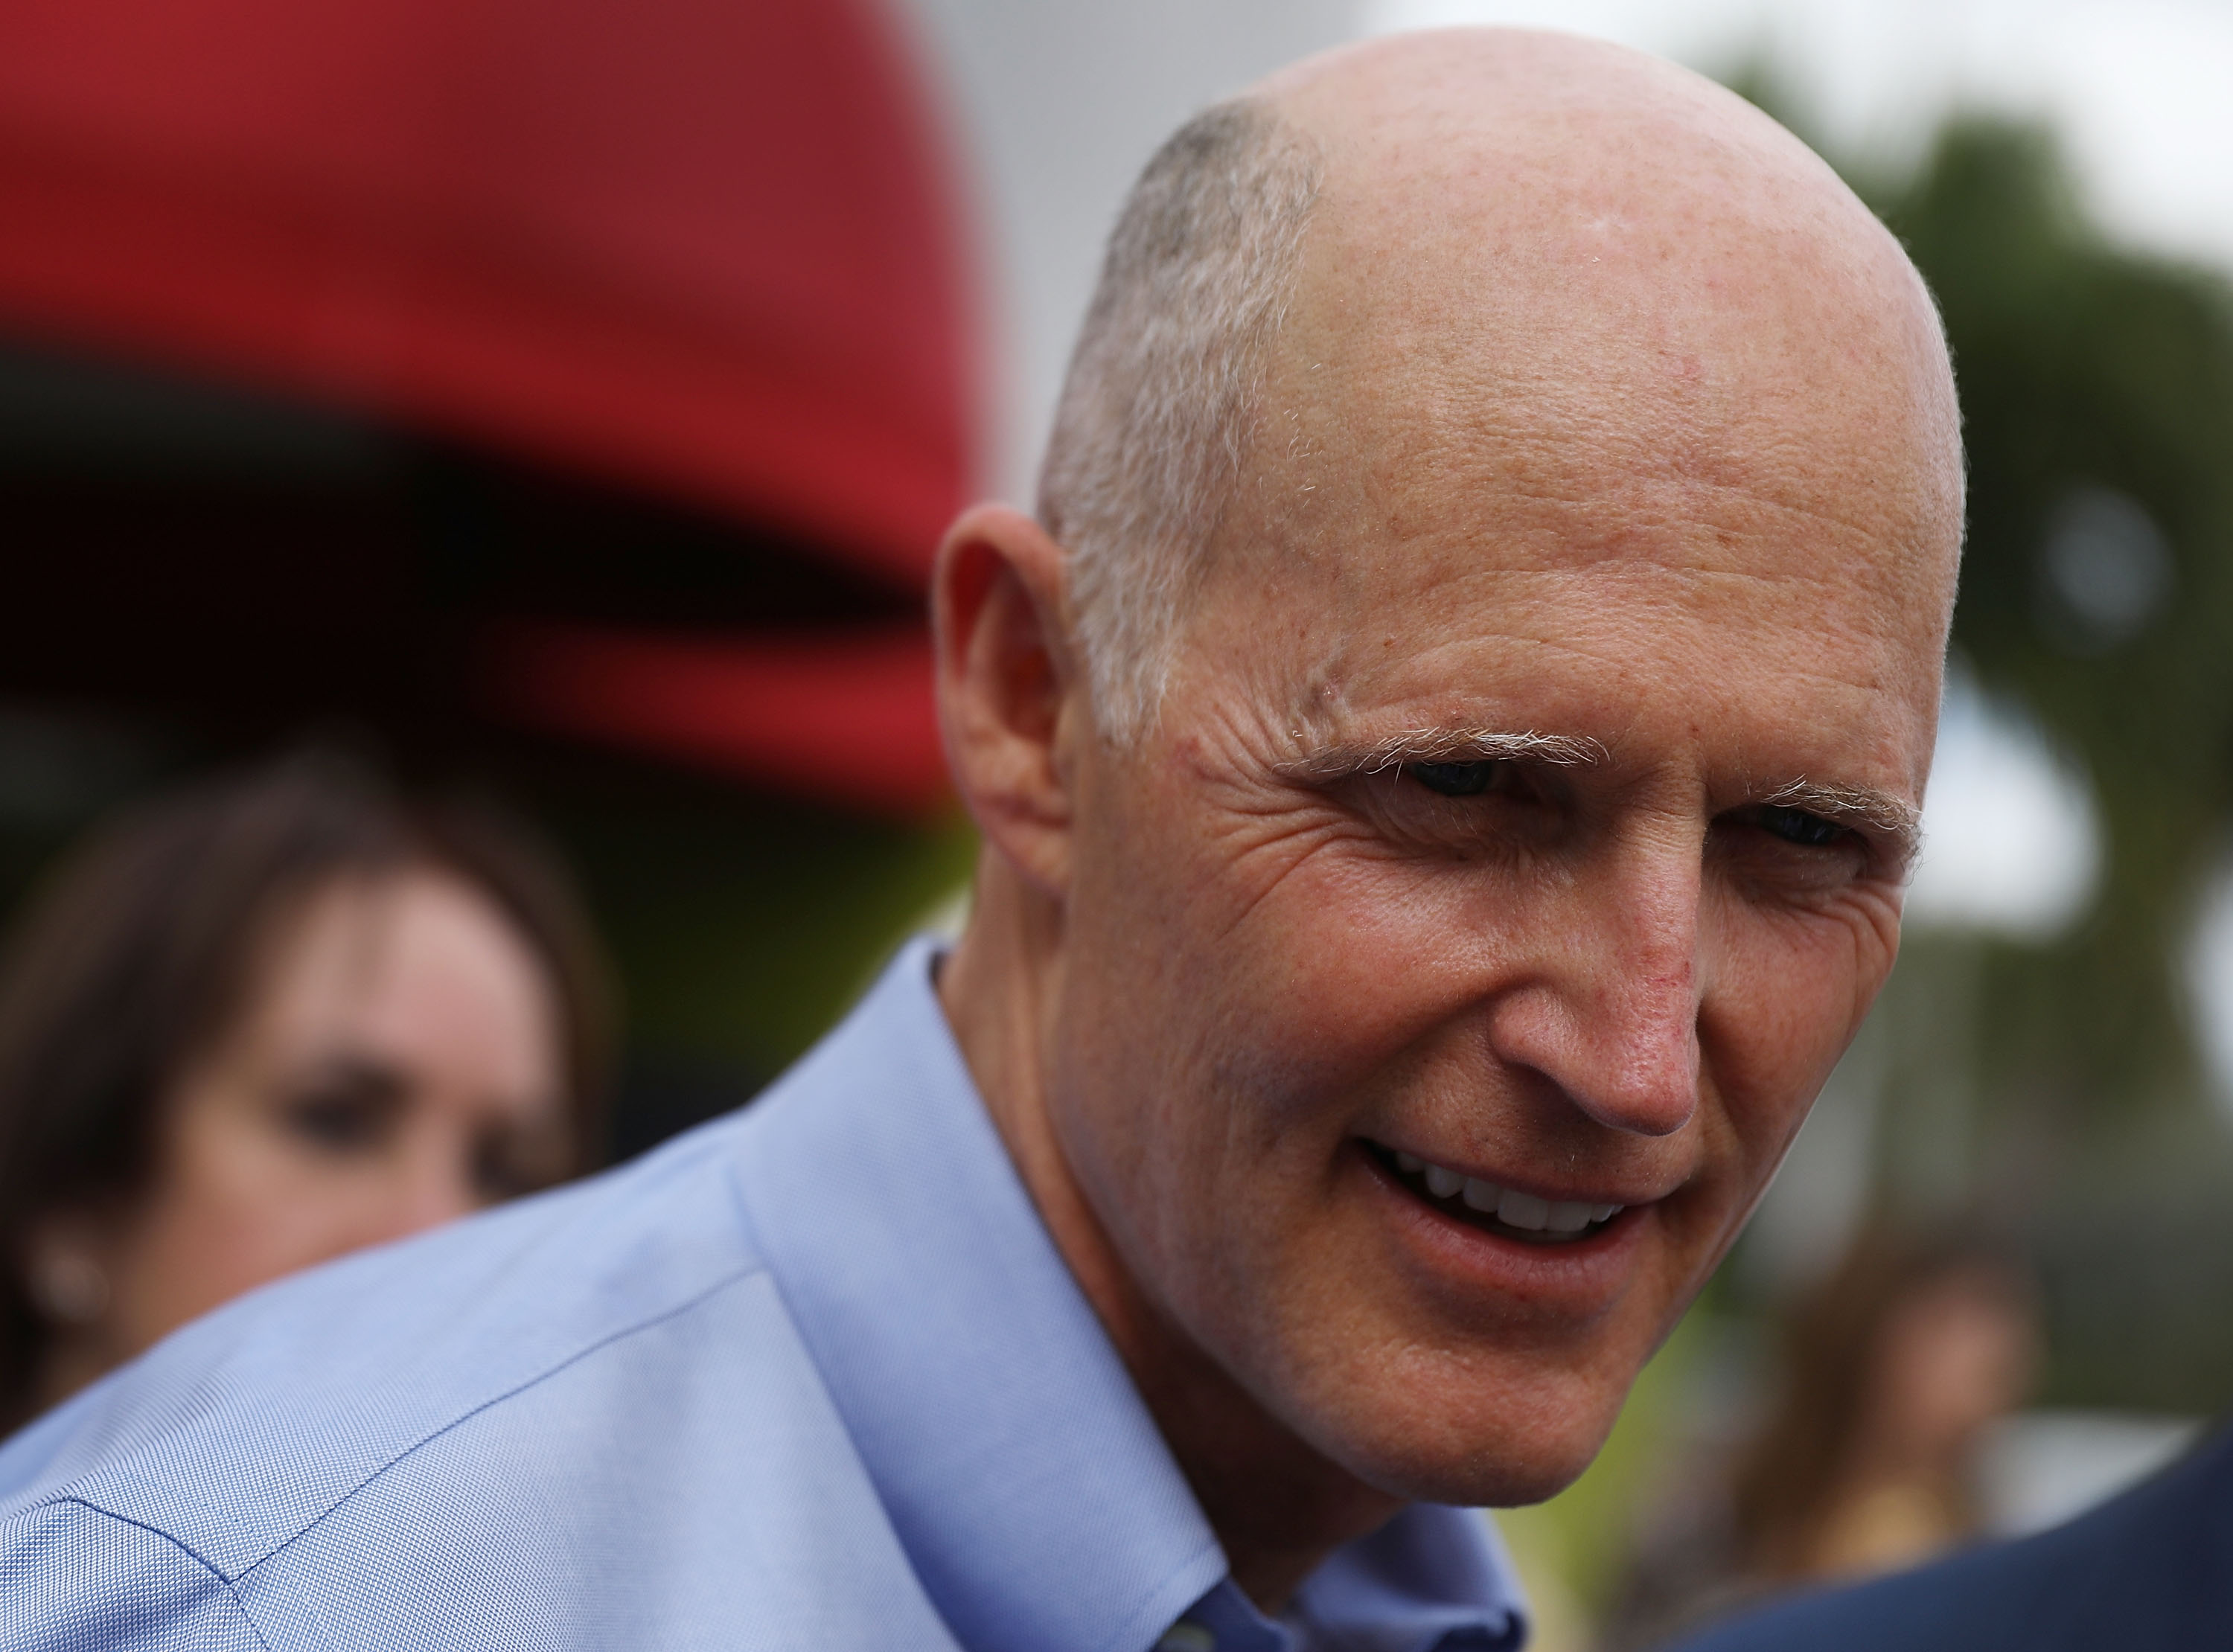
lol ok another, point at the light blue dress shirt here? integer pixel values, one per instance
(813, 1377)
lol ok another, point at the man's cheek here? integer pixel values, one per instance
(1372, 940)
(1788, 1001)
(1764, 1103)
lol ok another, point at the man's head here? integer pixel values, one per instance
(1462, 717)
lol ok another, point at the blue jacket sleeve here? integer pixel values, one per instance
(2149, 1569)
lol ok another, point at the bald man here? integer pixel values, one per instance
(1448, 748)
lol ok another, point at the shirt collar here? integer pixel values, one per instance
(1021, 1471)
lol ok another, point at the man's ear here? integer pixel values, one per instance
(1008, 698)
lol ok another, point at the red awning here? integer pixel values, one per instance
(845, 716)
(702, 248)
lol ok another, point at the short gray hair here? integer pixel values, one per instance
(1160, 407)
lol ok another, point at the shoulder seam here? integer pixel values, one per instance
(85, 1493)
(679, 1309)
(231, 1584)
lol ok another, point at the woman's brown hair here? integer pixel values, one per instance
(1786, 1480)
(137, 951)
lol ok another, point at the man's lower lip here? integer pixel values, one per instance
(1523, 1287)
(1575, 1280)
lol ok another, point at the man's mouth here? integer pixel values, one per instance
(1495, 1209)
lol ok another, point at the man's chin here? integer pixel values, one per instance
(1520, 1447)
(1499, 1474)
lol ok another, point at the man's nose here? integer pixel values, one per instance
(1609, 1011)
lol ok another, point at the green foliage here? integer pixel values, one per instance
(742, 928)
(2084, 368)
(1577, 1543)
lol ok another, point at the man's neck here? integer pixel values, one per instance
(1279, 1507)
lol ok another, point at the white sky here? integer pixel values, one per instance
(1057, 104)
(2010, 840)
(2209, 975)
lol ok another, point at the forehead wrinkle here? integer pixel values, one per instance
(1525, 600)
(1348, 659)
(1683, 562)
(1581, 485)
(1551, 498)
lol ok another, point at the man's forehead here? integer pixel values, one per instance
(1417, 487)
(1579, 384)
(1772, 642)
(1735, 475)
(1590, 364)
(1564, 273)
(1522, 143)
(1362, 636)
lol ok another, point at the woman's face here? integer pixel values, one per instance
(1959, 1354)
(396, 1064)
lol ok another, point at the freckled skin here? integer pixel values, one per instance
(1602, 410)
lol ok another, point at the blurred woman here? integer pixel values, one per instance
(1893, 1373)
(264, 1023)
(1893, 1370)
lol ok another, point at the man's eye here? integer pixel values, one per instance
(1454, 779)
(1797, 826)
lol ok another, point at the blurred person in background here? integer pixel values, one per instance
(275, 1017)
(1896, 1369)
(1893, 1370)
(2148, 1568)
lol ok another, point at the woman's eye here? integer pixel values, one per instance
(336, 1122)
(1455, 779)
(348, 1111)
(1797, 826)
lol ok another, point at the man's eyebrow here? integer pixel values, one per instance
(1901, 823)
(1339, 761)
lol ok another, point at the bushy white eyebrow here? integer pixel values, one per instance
(1446, 745)
(1899, 823)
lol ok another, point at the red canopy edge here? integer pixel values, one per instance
(470, 352)
(706, 248)
(848, 716)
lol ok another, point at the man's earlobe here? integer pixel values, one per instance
(1004, 685)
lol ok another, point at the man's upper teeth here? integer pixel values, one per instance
(1508, 1205)
(1523, 1210)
